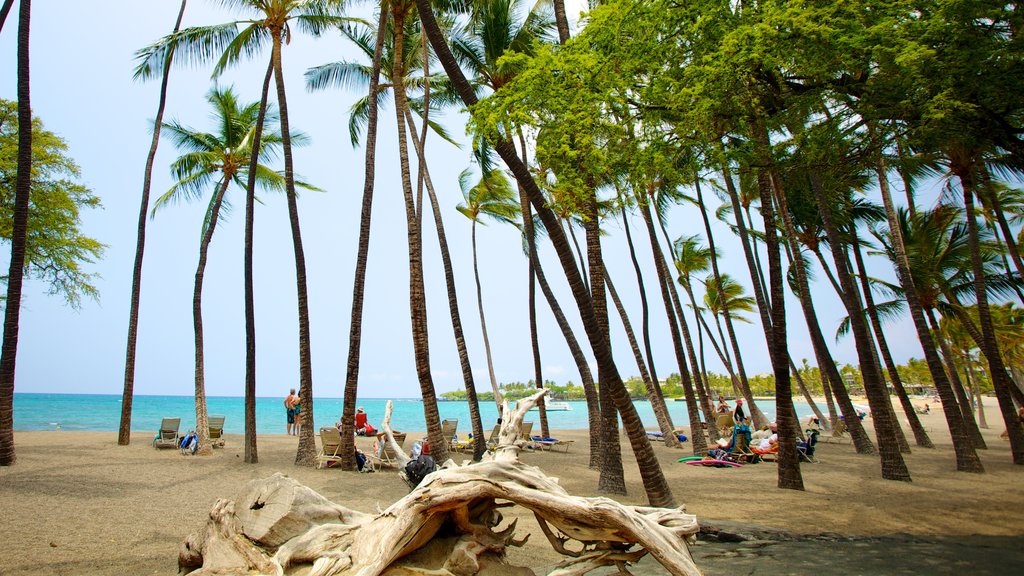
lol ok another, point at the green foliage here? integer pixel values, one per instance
(56, 249)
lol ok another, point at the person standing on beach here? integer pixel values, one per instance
(289, 406)
(737, 414)
(297, 411)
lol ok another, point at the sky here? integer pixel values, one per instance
(82, 89)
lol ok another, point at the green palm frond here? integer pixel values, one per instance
(191, 187)
(246, 44)
(344, 75)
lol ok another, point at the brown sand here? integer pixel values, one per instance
(76, 503)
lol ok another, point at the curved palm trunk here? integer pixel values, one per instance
(658, 491)
(963, 402)
(579, 254)
(893, 465)
(202, 423)
(806, 393)
(417, 296)
(483, 323)
(125, 427)
(657, 401)
(1000, 379)
(966, 457)
(9, 3)
(305, 455)
(19, 234)
(479, 440)
(709, 413)
(920, 435)
(664, 283)
(755, 412)
(355, 333)
(586, 377)
(789, 477)
(611, 479)
(969, 369)
(531, 254)
(251, 452)
(990, 202)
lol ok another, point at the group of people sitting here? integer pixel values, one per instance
(754, 446)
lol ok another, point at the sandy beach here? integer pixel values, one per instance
(76, 503)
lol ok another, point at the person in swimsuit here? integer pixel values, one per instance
(289, 406)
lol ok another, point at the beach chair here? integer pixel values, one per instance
(385, 454)
(806, 447)
(838, 435)
(330, 447)
(524, 432)
(449, 431)
(551, 443)
(167, 436)
(724, 423)
(492, 440)
(217, 431)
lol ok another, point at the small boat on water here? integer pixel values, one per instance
(554, 405)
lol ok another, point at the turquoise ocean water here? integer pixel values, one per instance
(102, 413)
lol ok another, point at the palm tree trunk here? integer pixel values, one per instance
(664, 282)
(962, 400)
(893, 465)
(579, 254)
(990, 202)
(479, 440)
(305, 455)
(561, 22)
(806, 393)
(826, 365)
(920, 435)
(966, 457)
(982, 422)
(202, 423)
(417, 296)
(1000, 380)
(586, 377)
(531, 253)
(658, 491)
(657, 400)
(756, 414)
(611, 479)
(125, 427)
(355, 334)
(709, 413)
(19, 234)
(908, 186)
(251, 452)
(9, 3)
(789, 477)
(483, 322)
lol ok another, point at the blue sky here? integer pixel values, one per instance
(82, 89)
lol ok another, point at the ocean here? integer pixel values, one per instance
(102, 413)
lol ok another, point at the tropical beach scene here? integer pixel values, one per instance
(509, 288)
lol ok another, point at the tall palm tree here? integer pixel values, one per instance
(8, 4)
(966, 457)
(219, 158)
(22, 190)
(658, 491)
(270, 21)
(493, 197)
(124, 430)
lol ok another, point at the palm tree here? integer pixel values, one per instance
(658, 491)
(966, 457)
(225, 154)
(22, 190)
(494, 198)
(270, 20)
(10, 3)
(142, 73)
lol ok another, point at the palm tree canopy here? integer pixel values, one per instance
(691, 256)
(224, 154)
(731, 298)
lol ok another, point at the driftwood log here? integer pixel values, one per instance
(277, 526)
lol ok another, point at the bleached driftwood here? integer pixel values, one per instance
(277, 524)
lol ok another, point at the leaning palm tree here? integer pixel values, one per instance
(219, 158)
(269, 21)
(494, 198)
(19, 235)
(142, 73)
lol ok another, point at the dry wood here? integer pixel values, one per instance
(277, 524)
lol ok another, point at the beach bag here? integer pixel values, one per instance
(189, 443)
(417, 469)
(369, 430)
(360, 460)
